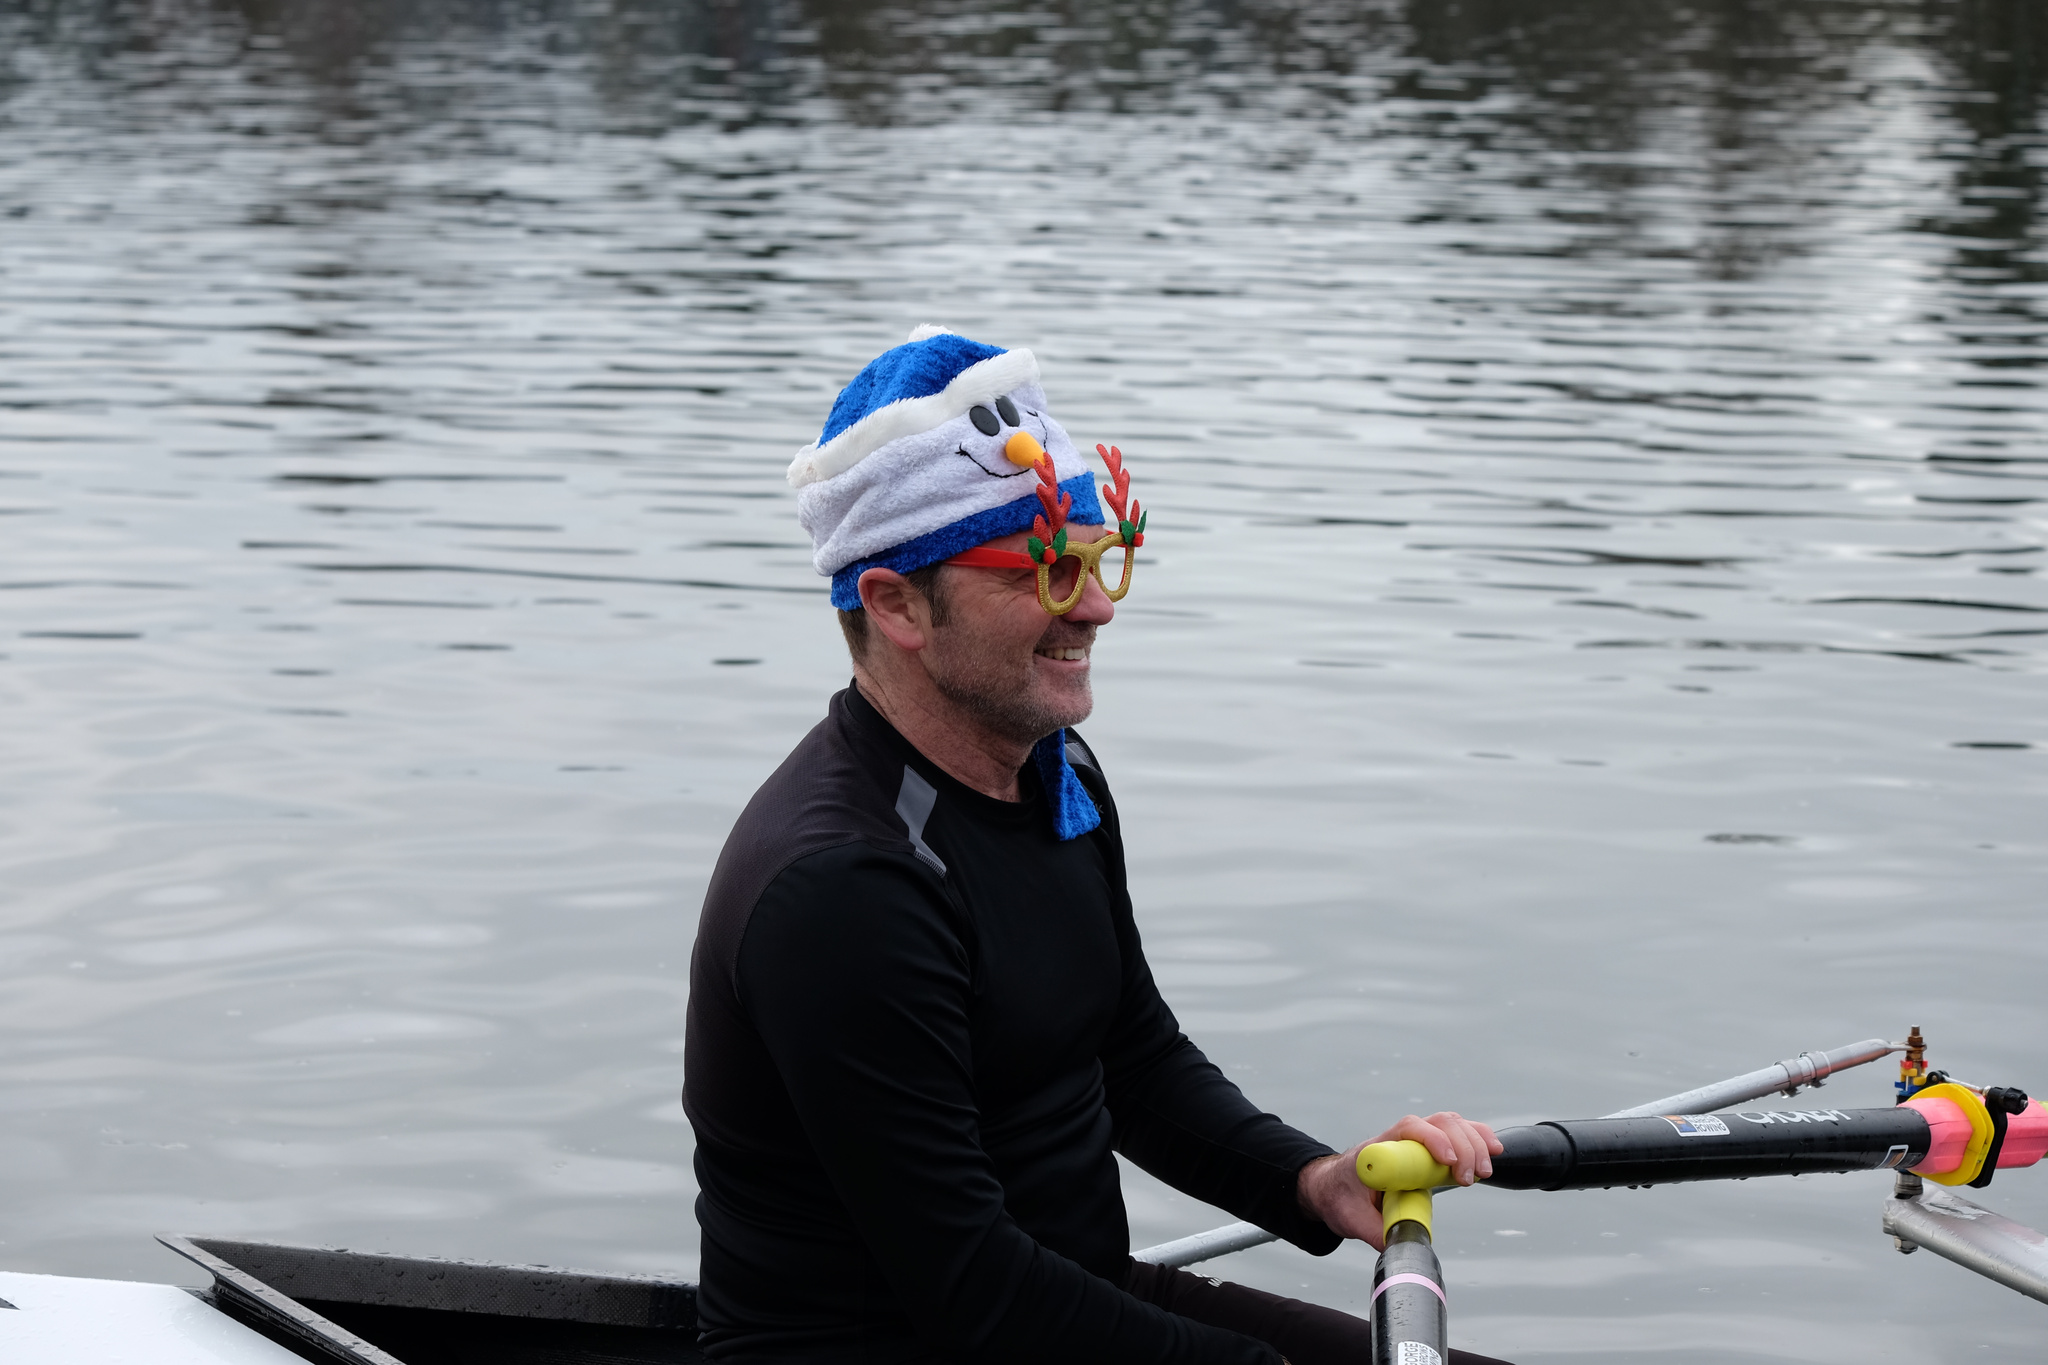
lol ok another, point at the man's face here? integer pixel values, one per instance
(1020, 671)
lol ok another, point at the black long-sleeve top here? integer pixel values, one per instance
(919, 1025)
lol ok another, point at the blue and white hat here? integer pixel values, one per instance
(911, 466)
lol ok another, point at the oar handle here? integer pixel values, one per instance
(1404, 1172)
(1403, 1165)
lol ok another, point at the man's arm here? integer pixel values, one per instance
(1182, 1119)
(1172, 1111)
(856, 978)
(1179, 1117)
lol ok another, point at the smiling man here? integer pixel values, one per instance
(921, 1022)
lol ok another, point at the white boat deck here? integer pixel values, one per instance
(57, 1320)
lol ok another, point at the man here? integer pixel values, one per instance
(921, 1020)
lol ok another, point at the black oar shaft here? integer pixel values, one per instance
(1409, 1319)
(1579, 1154)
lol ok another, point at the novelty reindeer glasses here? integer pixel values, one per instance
(1063, 569)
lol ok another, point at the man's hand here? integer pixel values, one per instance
(1329, 1188)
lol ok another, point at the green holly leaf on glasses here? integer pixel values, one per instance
(1036, 549)
(1059, 543)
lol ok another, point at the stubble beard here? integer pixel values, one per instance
(1001, 697)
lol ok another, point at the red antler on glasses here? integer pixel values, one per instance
(1051, 541)
(1130, 522)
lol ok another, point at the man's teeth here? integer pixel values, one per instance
(1073, 652)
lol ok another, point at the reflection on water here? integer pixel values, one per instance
(1592, 641)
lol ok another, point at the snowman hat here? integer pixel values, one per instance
(922, 458)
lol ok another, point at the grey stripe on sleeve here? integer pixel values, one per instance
(914, 802)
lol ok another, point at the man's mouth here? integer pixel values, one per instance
(1072, 653)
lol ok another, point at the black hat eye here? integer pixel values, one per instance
(984, 421)
(1008, 411)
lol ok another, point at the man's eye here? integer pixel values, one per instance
(985, 421)
(1008, 410)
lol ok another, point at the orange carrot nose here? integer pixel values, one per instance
(1023, 449)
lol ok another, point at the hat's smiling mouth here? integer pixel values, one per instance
(1008, 470)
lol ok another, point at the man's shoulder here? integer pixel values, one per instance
(831, 792)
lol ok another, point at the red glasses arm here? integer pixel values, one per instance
(982, 557)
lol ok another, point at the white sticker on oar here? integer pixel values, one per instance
(1417, 1353)
(1696, 1125)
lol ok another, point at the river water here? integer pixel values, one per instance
(1591, 639)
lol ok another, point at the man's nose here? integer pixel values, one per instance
(1094, 608)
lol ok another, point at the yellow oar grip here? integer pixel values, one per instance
(1403, 1165)
(1406, 1206)
(1406, 1172)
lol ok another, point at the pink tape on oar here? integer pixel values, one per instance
(1384, 1285)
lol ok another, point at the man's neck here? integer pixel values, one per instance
(937, 728)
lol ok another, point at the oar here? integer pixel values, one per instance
(1948, 1133)
(1807, 1069)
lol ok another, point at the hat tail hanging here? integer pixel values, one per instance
(1073, 809)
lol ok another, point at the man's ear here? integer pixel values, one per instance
(896, 608)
